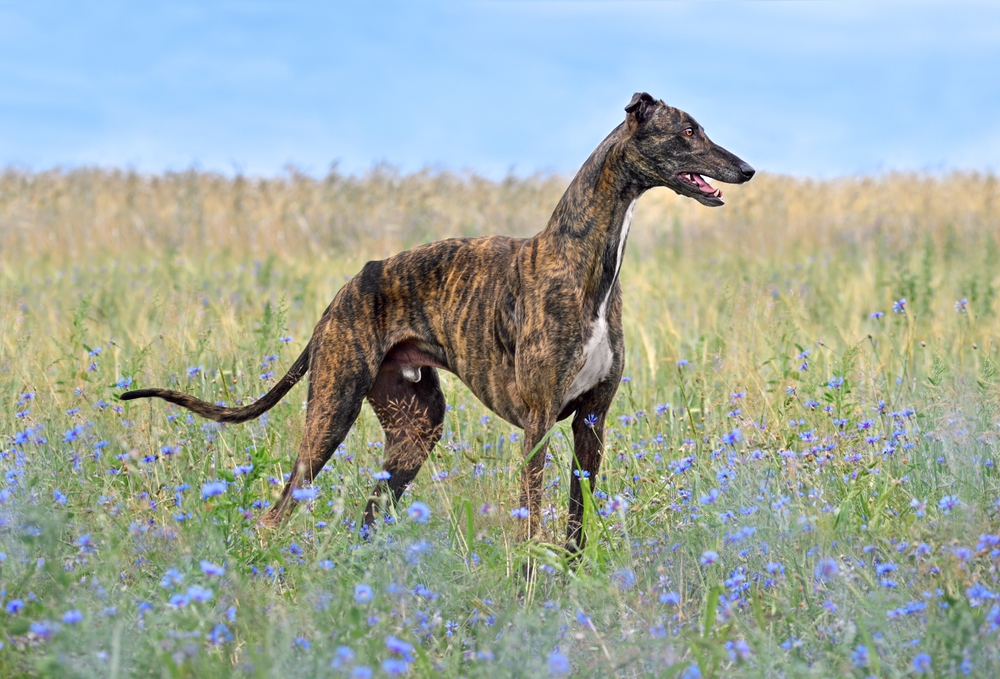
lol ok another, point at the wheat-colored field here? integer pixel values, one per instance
(799, 480)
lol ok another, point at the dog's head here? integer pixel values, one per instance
(667, 147)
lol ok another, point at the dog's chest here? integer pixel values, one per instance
(597, 360)
(597, 355)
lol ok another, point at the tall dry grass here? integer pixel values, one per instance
(68, 215)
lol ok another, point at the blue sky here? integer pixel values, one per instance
(804, 88)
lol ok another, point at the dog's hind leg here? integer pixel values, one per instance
(338, 382)
(412, 415)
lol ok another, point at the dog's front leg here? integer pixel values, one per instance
(588, 449)
(535, 429)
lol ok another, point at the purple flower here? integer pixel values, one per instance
(212, 570)
(520, 513)
(381, 476)
(72, 617)
(922, 663)
(124, 382)
(948, 503)
(899, 306)
(708, 557)
(14, 605)
(835, 382)
(419, 512)
(960, 305)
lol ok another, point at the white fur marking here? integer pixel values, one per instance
(410, 374)
(597, 350)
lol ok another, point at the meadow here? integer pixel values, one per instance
(800, 476)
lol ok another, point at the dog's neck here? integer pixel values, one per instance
(590, 224)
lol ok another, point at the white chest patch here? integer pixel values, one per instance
(597, 357)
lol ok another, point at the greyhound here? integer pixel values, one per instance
(531, 325)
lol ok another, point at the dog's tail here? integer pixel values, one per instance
(221, 413)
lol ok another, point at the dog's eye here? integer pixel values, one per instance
(689, 132)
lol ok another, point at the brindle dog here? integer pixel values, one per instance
(531, 325)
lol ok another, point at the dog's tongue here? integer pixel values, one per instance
(702, 184)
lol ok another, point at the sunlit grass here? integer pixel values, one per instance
(791, 486)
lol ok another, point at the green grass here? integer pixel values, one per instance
(828, 511)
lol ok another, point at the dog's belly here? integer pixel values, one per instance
(597, 360)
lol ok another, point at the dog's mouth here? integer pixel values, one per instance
(704, 190)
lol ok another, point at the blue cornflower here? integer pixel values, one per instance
(212, 488)
(859, 656)
(361, 672)
(393, 666)
(520, 513)
(212, 570)
(419, 512)
(14, 605)
(835, 382)
(42, 629)
(948, 503)
(59, 497)
(960, 305)
(219, 634)
(826, 570)
(381, 476)
(194, 370)
(304, 494)
(733, 437)
(400, 647)
(590, 420)
(899, 306)
(285, 340)
(171, 577)
(709, 557)
(558, 664)
(363, 593)
(919, 507)
(670, 598)
(877, 314)
(691, 672)
(124, 382)
(921, 663)
(712, 496)
(72, 617)
(196, 593)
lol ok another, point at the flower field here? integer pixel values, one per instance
(800, 476)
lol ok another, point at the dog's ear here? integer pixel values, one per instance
(640, 108)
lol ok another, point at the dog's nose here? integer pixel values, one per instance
(746, 170)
